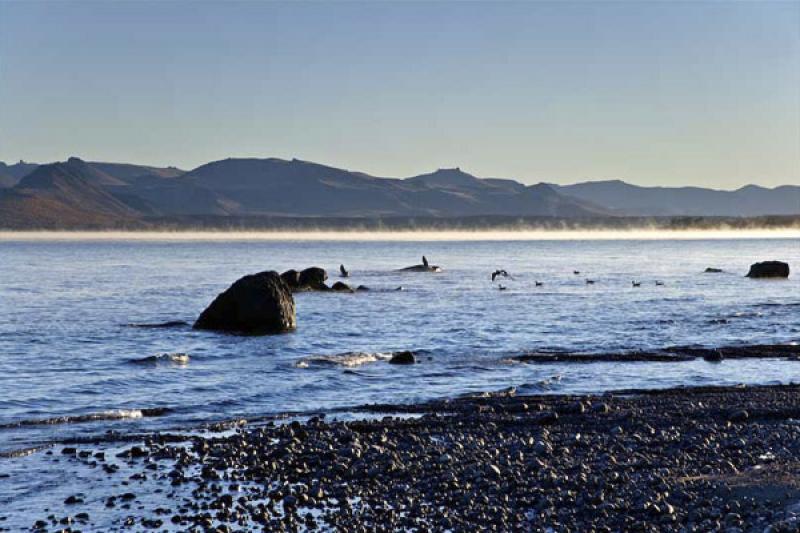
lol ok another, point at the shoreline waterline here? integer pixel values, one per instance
(402, 235)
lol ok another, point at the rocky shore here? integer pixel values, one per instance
(695, 459)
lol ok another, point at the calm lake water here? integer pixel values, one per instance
(70, 349)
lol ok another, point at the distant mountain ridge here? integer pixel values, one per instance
(278, 187)
(634, 200)
(11, 174)
(77, 193)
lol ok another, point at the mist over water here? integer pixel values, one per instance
(422, 235)
(72, 362)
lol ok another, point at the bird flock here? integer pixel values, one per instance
(503, 273)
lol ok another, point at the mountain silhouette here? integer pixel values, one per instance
(77, 193)
(633, 200)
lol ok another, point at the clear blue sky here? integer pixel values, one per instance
(654, 93)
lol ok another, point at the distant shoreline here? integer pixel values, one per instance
(262, 224)
(396, 235)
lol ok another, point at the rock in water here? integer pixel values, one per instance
(257, 304)
(313, 278)
(403, 358)
(769, 269)
(712, 270)
(342, 287)
(291, 278)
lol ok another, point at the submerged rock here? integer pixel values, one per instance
(256, 304)
(342, 287)
(769, 269)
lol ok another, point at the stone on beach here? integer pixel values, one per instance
(685, 459)
(256, 304)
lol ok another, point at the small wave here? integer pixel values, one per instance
(349, 359)
(734, 316)
(175, 358)
(113, 414)
(158, 325)
(545, 384)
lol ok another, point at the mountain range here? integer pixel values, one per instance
(81, 194)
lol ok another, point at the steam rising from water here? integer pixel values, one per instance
(405, 235)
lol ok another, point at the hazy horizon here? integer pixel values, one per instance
(668, 94)
(424, 235)
(385, 176)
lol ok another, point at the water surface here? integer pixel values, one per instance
(68, 348)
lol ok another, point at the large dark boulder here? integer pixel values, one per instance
(769, 269)
(313, 278)
(254, 305)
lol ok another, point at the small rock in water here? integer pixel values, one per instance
(769, 269)
(341, 287)
(403, 358)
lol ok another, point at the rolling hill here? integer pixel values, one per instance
(81, 194)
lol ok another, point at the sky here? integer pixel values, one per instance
(655, 93)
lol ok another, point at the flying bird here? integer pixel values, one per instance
(500, 272)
